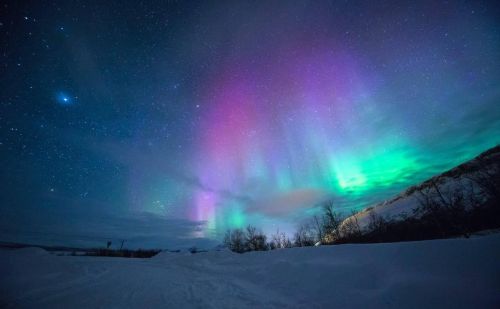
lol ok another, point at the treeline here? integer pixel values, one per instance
(249, 239)
(469, 204)
(140, 253)
(328, 228)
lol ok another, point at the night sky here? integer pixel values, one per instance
(165, 123)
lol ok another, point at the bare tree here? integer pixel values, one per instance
(304, 236)
(279, 240)
(255, 240)
(331, 223)
(235, 240)
(377, 225)
(318, 226)
(445, 206)
(349, 229)
(487, 176)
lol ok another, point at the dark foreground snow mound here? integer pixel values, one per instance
(452, 273)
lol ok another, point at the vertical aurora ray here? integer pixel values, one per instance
(206, 115)
(259, 141)
(301, 120)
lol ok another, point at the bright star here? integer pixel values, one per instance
(64, 99)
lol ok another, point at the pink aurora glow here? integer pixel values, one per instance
(300, 98)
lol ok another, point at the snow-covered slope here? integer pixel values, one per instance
(458, 178)
(451, 273)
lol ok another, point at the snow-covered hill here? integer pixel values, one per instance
(451, 273)
(463, 179)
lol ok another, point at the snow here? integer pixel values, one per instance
(405, 204)
(451, 273)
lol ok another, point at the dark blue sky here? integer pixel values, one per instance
(164, 123)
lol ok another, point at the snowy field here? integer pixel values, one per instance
(453, 273)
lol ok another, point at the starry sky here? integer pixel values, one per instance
(165, 123)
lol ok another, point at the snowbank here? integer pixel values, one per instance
(453, 273)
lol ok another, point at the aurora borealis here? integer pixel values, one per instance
(192, 117)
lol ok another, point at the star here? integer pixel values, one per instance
(64, 99)
(175, 106)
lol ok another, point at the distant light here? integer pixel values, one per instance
(64, 99)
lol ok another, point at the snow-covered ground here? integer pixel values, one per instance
(452, 273)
